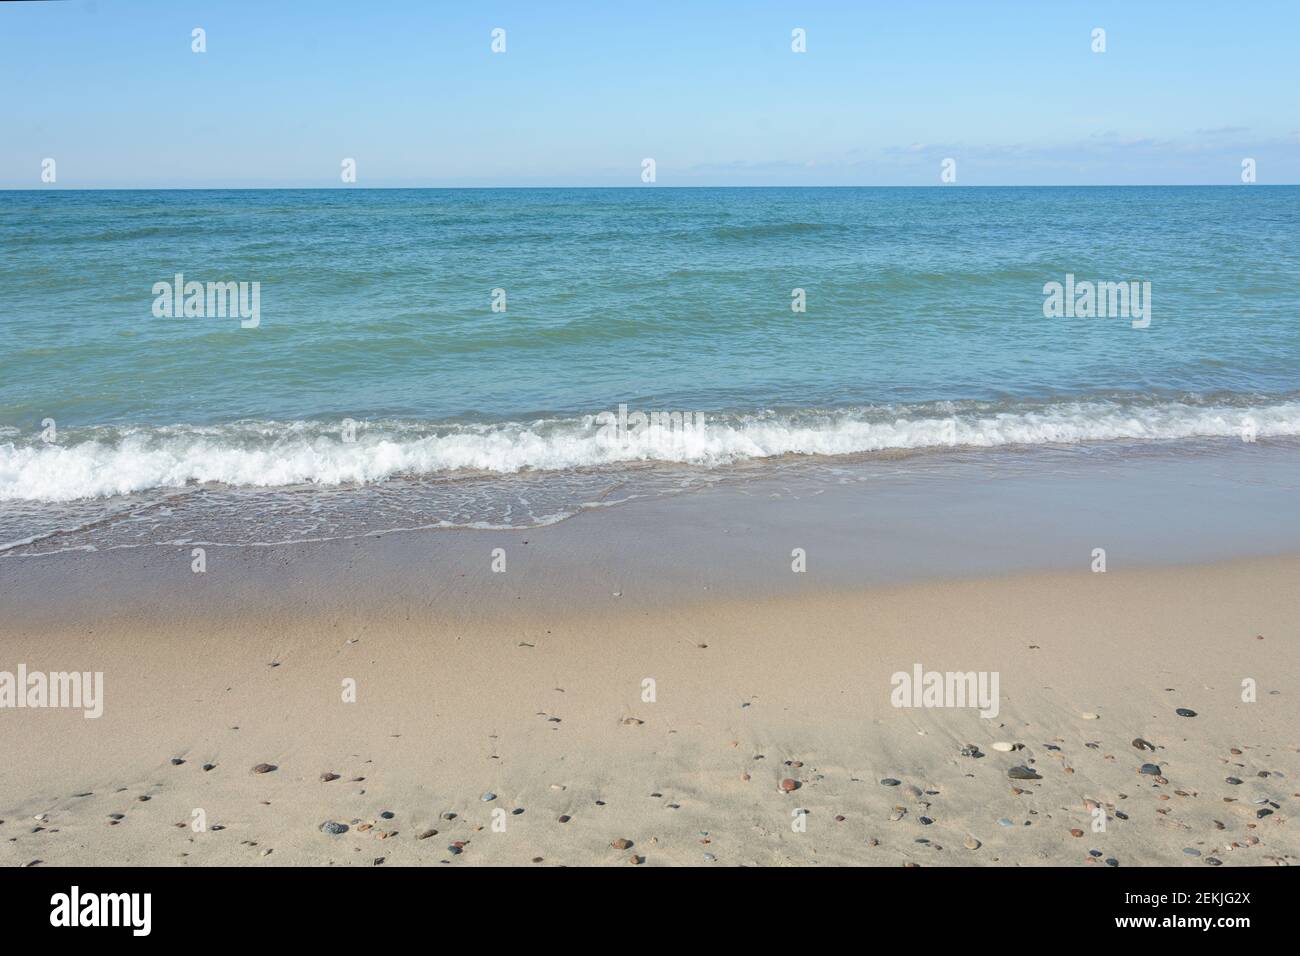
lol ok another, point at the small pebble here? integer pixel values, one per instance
(264, 768)
(488, 797)
(1184, 712)
(333, 828)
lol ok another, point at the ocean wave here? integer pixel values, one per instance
(104, 462)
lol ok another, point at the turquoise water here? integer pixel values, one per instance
(378, 366)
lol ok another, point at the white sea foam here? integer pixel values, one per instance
(105, 462)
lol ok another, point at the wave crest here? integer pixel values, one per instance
(102, 462)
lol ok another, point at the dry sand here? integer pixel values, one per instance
(545, 709)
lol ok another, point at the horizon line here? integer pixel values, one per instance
(355, 188)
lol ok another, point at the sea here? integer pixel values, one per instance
(254, 367)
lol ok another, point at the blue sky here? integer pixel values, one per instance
(1011, 90)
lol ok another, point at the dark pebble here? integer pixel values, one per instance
(1023, 773)
(890, 782)
(1184, 712)
(1152, 769)
(333, 828)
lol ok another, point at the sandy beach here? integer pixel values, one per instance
(446, 714)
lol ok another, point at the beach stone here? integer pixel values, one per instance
(1150, 769)
(488, 797)
(1141, 744)
(789, 785)
(709, 858)
(209, 766)
(972, 843)
(333, 828)
(1191, 852)
(1111, 861)
(386, 814)
(621, 843)
(1232, 780)
(177, 761)
(890, 782)
(425, 834)
(327, 777)
(455, 850)
(565, 818)
(970, 750)
(897, 814)
(1023, 773)
(1076, 832)
(1004, 822)
(1004, 747)
(1090, 716)
(264, 768)
(1213, 861)
(925, 821)
(1185, 712)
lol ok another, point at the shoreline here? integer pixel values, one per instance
(403, 675)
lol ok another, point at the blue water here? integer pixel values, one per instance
(924, 329)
